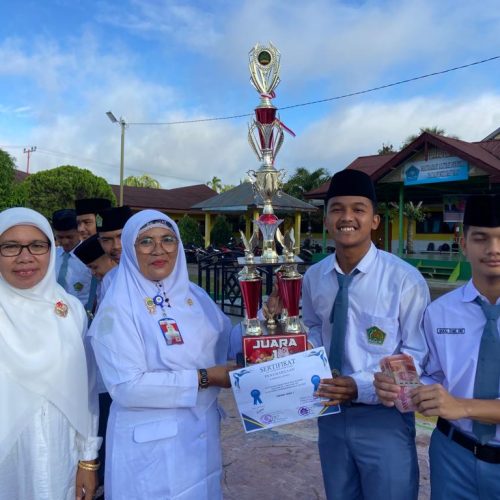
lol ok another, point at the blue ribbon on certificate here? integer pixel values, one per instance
(256, 397)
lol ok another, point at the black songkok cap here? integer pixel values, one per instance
(112, 219)
(91, 205)
(89, 250)
(482, 211)
(351, 182)
(64, 220)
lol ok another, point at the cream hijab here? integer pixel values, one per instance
(41, 353)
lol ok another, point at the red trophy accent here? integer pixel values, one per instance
(265, 115)
(291, 294)
(251, 291)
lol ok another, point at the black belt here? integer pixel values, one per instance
(483, 452)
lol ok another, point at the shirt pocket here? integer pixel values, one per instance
(379, 335)
(153, 431)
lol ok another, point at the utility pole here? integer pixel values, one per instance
(28, 151)
(123, 125)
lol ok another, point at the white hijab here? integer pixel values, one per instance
(123, 309)
(41, 353)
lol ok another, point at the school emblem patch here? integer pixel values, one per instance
(375, 335)
(78, 287)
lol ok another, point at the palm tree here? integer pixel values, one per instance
(412, 213)
(145, 181)
(303, 181)
(432, 130)
(215, 184)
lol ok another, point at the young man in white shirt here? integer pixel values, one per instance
(71, 274)
(368, 450)
(462, 374)
(109, 230)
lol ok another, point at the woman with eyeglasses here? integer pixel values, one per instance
(48, 422)
(161, 344)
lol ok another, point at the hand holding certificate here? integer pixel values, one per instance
(281, 391)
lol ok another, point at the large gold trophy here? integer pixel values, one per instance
(263, 341)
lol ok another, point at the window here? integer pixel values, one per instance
(434, 224)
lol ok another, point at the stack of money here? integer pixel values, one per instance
(401, 368)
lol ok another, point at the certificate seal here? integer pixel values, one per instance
(304, 411)
(266, 419)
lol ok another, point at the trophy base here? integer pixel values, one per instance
(277, 344)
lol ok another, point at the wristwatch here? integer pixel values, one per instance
(203, 384)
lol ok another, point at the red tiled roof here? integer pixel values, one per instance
(169, 200)
(367, 164)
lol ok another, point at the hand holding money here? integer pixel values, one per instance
(401, 369)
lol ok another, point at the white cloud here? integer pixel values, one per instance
(360, 130)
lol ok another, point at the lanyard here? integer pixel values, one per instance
(160, 299)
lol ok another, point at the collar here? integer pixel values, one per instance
(363, 266)
(470, 292)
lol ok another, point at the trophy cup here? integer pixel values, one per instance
(263, 341)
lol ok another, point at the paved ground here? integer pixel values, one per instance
(283, 463)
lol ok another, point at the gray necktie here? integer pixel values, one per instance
(91, 302)
(61, 277)
(488, 367)
(338, 318)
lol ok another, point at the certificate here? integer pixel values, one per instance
(281, 391)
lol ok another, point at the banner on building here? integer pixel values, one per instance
(446, 169)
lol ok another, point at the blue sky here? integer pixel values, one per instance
(64, 63)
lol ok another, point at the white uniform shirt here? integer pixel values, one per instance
(453, 325)
(78, 277)
(387, 293)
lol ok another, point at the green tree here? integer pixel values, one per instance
(226, 187)
(145, 181)
(413, 213)
(221, 231)
(59, 187)
(386, 149)
(215, 184)
(300, 183)
(7, 174)
(303, 181)
(190, 231)
(433, 130)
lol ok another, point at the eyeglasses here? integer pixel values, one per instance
(15, 249)
(146, 245)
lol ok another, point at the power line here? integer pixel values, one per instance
(328, 99)
(61, 154)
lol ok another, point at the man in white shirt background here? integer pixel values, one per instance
(109, 230)
(362, 304)
(71, 274)
(462, 374)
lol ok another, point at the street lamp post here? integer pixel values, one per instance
(122, 124)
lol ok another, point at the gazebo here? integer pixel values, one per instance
(242, 200)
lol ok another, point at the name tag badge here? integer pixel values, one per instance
(170, 331)
(450, 331)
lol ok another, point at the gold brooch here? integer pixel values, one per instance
(190, 302)
(61, 309)
(150, 305)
